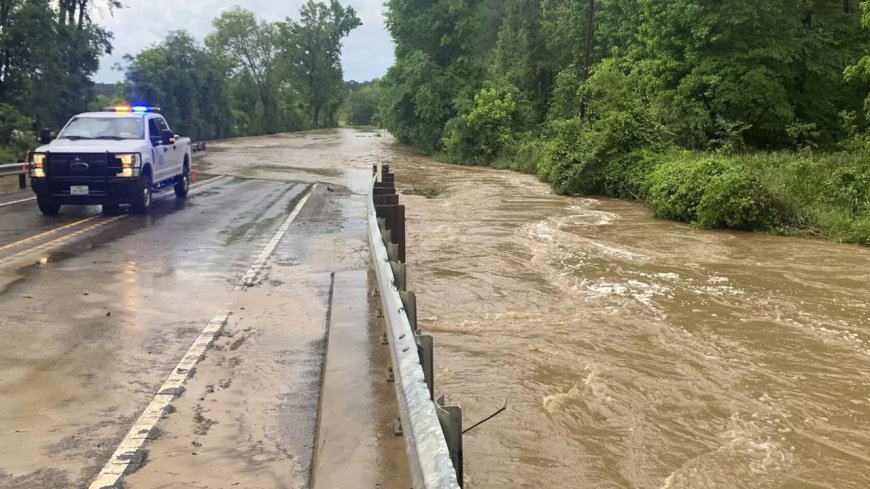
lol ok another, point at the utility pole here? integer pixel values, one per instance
(590, 31)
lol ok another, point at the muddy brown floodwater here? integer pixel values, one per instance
(634, 352)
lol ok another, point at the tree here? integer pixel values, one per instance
(250, 49)
(314, 51)
(48, 52)
(189, 84)
(436, 70)
(362, 101)
(860, 71)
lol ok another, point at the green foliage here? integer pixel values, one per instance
(362, 102)
(524, 154)
(677, 187)
(565, 102)
(736, 199)
(48, 52)
(16, 136)
(183, 79)
(598, 157)
(626, 175)
(435, 67)
(248, 49)
(251, 77)
(713, 192)
(314, 53)
(479, 136)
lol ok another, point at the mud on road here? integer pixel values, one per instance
(633, 352)
(97, 311)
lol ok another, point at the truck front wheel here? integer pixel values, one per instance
(47, 209)
(183, 185)
(142, 202)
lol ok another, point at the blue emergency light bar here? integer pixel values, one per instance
(136, 109)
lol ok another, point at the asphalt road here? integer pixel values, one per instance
(194, 336)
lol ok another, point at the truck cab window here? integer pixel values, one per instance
(161, 125)
(154, 132)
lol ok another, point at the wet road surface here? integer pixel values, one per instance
(99, 310)
(634, 352)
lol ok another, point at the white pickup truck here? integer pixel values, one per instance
(111, 158)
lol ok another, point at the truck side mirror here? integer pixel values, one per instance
(168, 137)
(44, 136)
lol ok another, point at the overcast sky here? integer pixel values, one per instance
(368, 52)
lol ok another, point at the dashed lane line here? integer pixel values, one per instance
(130, 450)
(250, 278)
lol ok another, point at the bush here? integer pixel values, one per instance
(849, 188)
(677, 187)
(712, 192)
(16, 134)
(567, 158)
(627, 176)
(610, 156)
(524, 155)
(735, 199)
(479, 136)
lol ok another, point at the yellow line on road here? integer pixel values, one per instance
(62, 239)
(50, 231)
(67, 237)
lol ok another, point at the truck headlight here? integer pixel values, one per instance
(37, 165)
(131, 164)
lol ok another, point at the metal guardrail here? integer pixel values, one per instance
(432, 431)
(19, 169)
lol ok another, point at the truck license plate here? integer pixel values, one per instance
(79, 190)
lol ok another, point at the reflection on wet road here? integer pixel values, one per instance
(636, 352)
(98, 311)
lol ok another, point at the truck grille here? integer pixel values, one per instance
(78, 165)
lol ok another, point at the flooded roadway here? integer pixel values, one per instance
(634, 352)
(97, 311)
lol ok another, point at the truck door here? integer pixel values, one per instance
(174, 154)
(159, 151)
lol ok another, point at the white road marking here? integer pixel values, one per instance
(194, 185)
(130, 449)
(250, 278)
(207, 182)
(17, 201)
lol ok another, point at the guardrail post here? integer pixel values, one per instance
(394, 217)
(450, 418)
(393, 251)
(426, 351)
(22, 180)
(409, 302)
(400, 274)
(387, 199)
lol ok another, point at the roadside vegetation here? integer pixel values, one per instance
(249, 77)
(741, 114)
(360, 106)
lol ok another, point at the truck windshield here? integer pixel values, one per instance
(104, 128)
